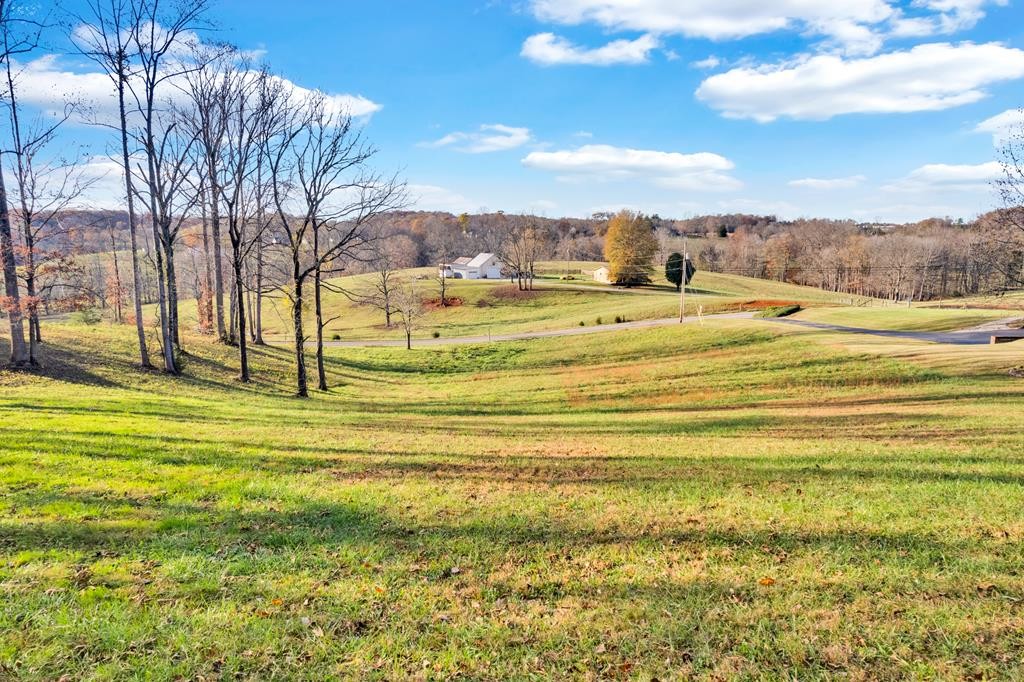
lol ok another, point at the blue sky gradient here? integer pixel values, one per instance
(440, 71)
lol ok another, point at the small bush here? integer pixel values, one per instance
(598, 321)
(335, 337)
(779, 311)
(619, 319)
(89, 316)
(582, 323)
(437, 335)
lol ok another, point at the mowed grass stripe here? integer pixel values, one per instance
(713, 502)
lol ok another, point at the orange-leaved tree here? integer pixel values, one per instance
(629, 247)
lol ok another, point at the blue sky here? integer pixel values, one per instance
(871, 109)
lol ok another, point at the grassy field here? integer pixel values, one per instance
(728, 501)
(498, 307)
(903, 318)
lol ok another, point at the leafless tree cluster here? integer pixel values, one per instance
(257, 185)
(931, 260)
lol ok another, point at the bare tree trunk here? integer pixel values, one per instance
(172, 288)
(118, 312)
(166, 342)
(243, 354)
(34, 334)
(218, 274)
(301, 389)
(207, 314)
(251, 328)
(258, 315)
(140, 326)
(232, 312)
(320, 371)
(19, 351)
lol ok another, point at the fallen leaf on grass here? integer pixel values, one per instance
(766, 581)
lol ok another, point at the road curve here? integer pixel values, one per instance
(981, 335)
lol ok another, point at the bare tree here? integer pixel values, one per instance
(514, 248)
(160, 34)
(387, 254)
(537, 241)
(208, 88)
(171, 197)
(410, 309)
(324, 196)
(43, 189)
(1011, 191)
(256, 106)
(103, 35)
(20, 35)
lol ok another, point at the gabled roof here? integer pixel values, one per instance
(464, 260)
(480, 260)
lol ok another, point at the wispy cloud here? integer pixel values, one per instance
(487, 138)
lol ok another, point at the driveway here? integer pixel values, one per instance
(980, 335)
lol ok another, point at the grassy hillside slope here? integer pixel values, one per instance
(717, 502)
(498, 307)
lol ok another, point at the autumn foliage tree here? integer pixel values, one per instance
(629, 247)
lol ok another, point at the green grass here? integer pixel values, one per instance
(712, 502)
(778, 311)
(903, 318)
(497, 307)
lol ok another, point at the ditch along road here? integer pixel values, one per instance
(973, 336)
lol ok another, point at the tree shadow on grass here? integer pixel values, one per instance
(109, 524)
(58, 362)
(530, 468)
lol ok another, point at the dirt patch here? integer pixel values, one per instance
(759, 304)
(512, 292)
(435, 303)
(1017, 372)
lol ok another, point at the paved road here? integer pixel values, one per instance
(964, 337)
(973, 336)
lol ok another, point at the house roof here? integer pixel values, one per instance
(480, 259)
(461, 261)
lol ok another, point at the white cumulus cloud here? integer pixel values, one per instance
(45, 84)
(702, 171)
(854, 27)
(548, 49)
(946, 177)
(928, 77)
(1001, 126)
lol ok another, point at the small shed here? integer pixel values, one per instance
(603, 275)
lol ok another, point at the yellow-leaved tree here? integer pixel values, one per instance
(629, 247)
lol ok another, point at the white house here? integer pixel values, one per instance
(602, 275)
(484, 266)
